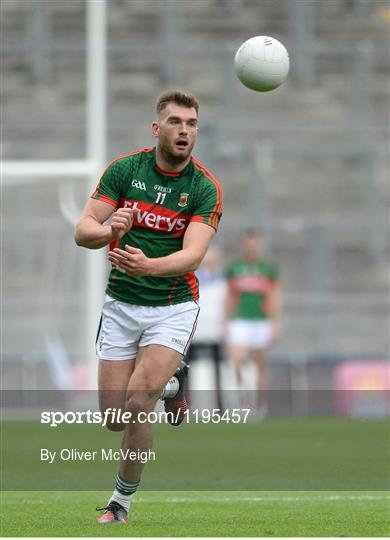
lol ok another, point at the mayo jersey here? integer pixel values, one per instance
(252, 281)
(166, 202)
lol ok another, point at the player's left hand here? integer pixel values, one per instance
(131, 261)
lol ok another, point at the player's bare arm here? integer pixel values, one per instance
(274, 306)
(195, 243)
(92, 232)
(230, 305)
(231, 300)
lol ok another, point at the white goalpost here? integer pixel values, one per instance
(87, 170)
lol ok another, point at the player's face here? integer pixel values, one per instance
(176, 131)
(252, 247)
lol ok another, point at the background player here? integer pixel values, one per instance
(165, 208)
(253, 312)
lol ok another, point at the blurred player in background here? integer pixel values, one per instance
(164, 207)
(253, 313)
(208, 339)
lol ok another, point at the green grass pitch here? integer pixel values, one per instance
(200, 514)
(291, 477)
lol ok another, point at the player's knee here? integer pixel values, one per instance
(115, 426)
(237, 361)
(140, 402)
(110, 421)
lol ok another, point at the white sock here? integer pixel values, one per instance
(123, 500)
(171, 388)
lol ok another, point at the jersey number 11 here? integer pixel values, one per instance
(160, 198)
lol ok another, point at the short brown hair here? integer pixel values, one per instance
(180, 98)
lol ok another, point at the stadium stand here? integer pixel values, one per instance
(319, 181)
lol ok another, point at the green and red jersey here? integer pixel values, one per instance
(166, 202)
(251, 281)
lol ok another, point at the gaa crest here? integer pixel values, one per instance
(183, 200)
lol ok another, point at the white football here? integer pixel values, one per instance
(262, 63)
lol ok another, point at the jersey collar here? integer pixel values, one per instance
(170, 173)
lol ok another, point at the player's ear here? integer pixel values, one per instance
(155, 129)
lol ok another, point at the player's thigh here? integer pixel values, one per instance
(237, 341)
(260, 358)
(238, 354)
(154, 367)
(113, 380)
(167, 334)
(166, 338)
(116, 348)
(260, 338)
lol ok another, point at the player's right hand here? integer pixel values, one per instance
(121, 222)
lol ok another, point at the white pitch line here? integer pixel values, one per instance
(261, 499)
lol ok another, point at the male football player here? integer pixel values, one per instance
(165, 207)
(253, 313)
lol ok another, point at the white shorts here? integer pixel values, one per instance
(252, 334)
(126, 327)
